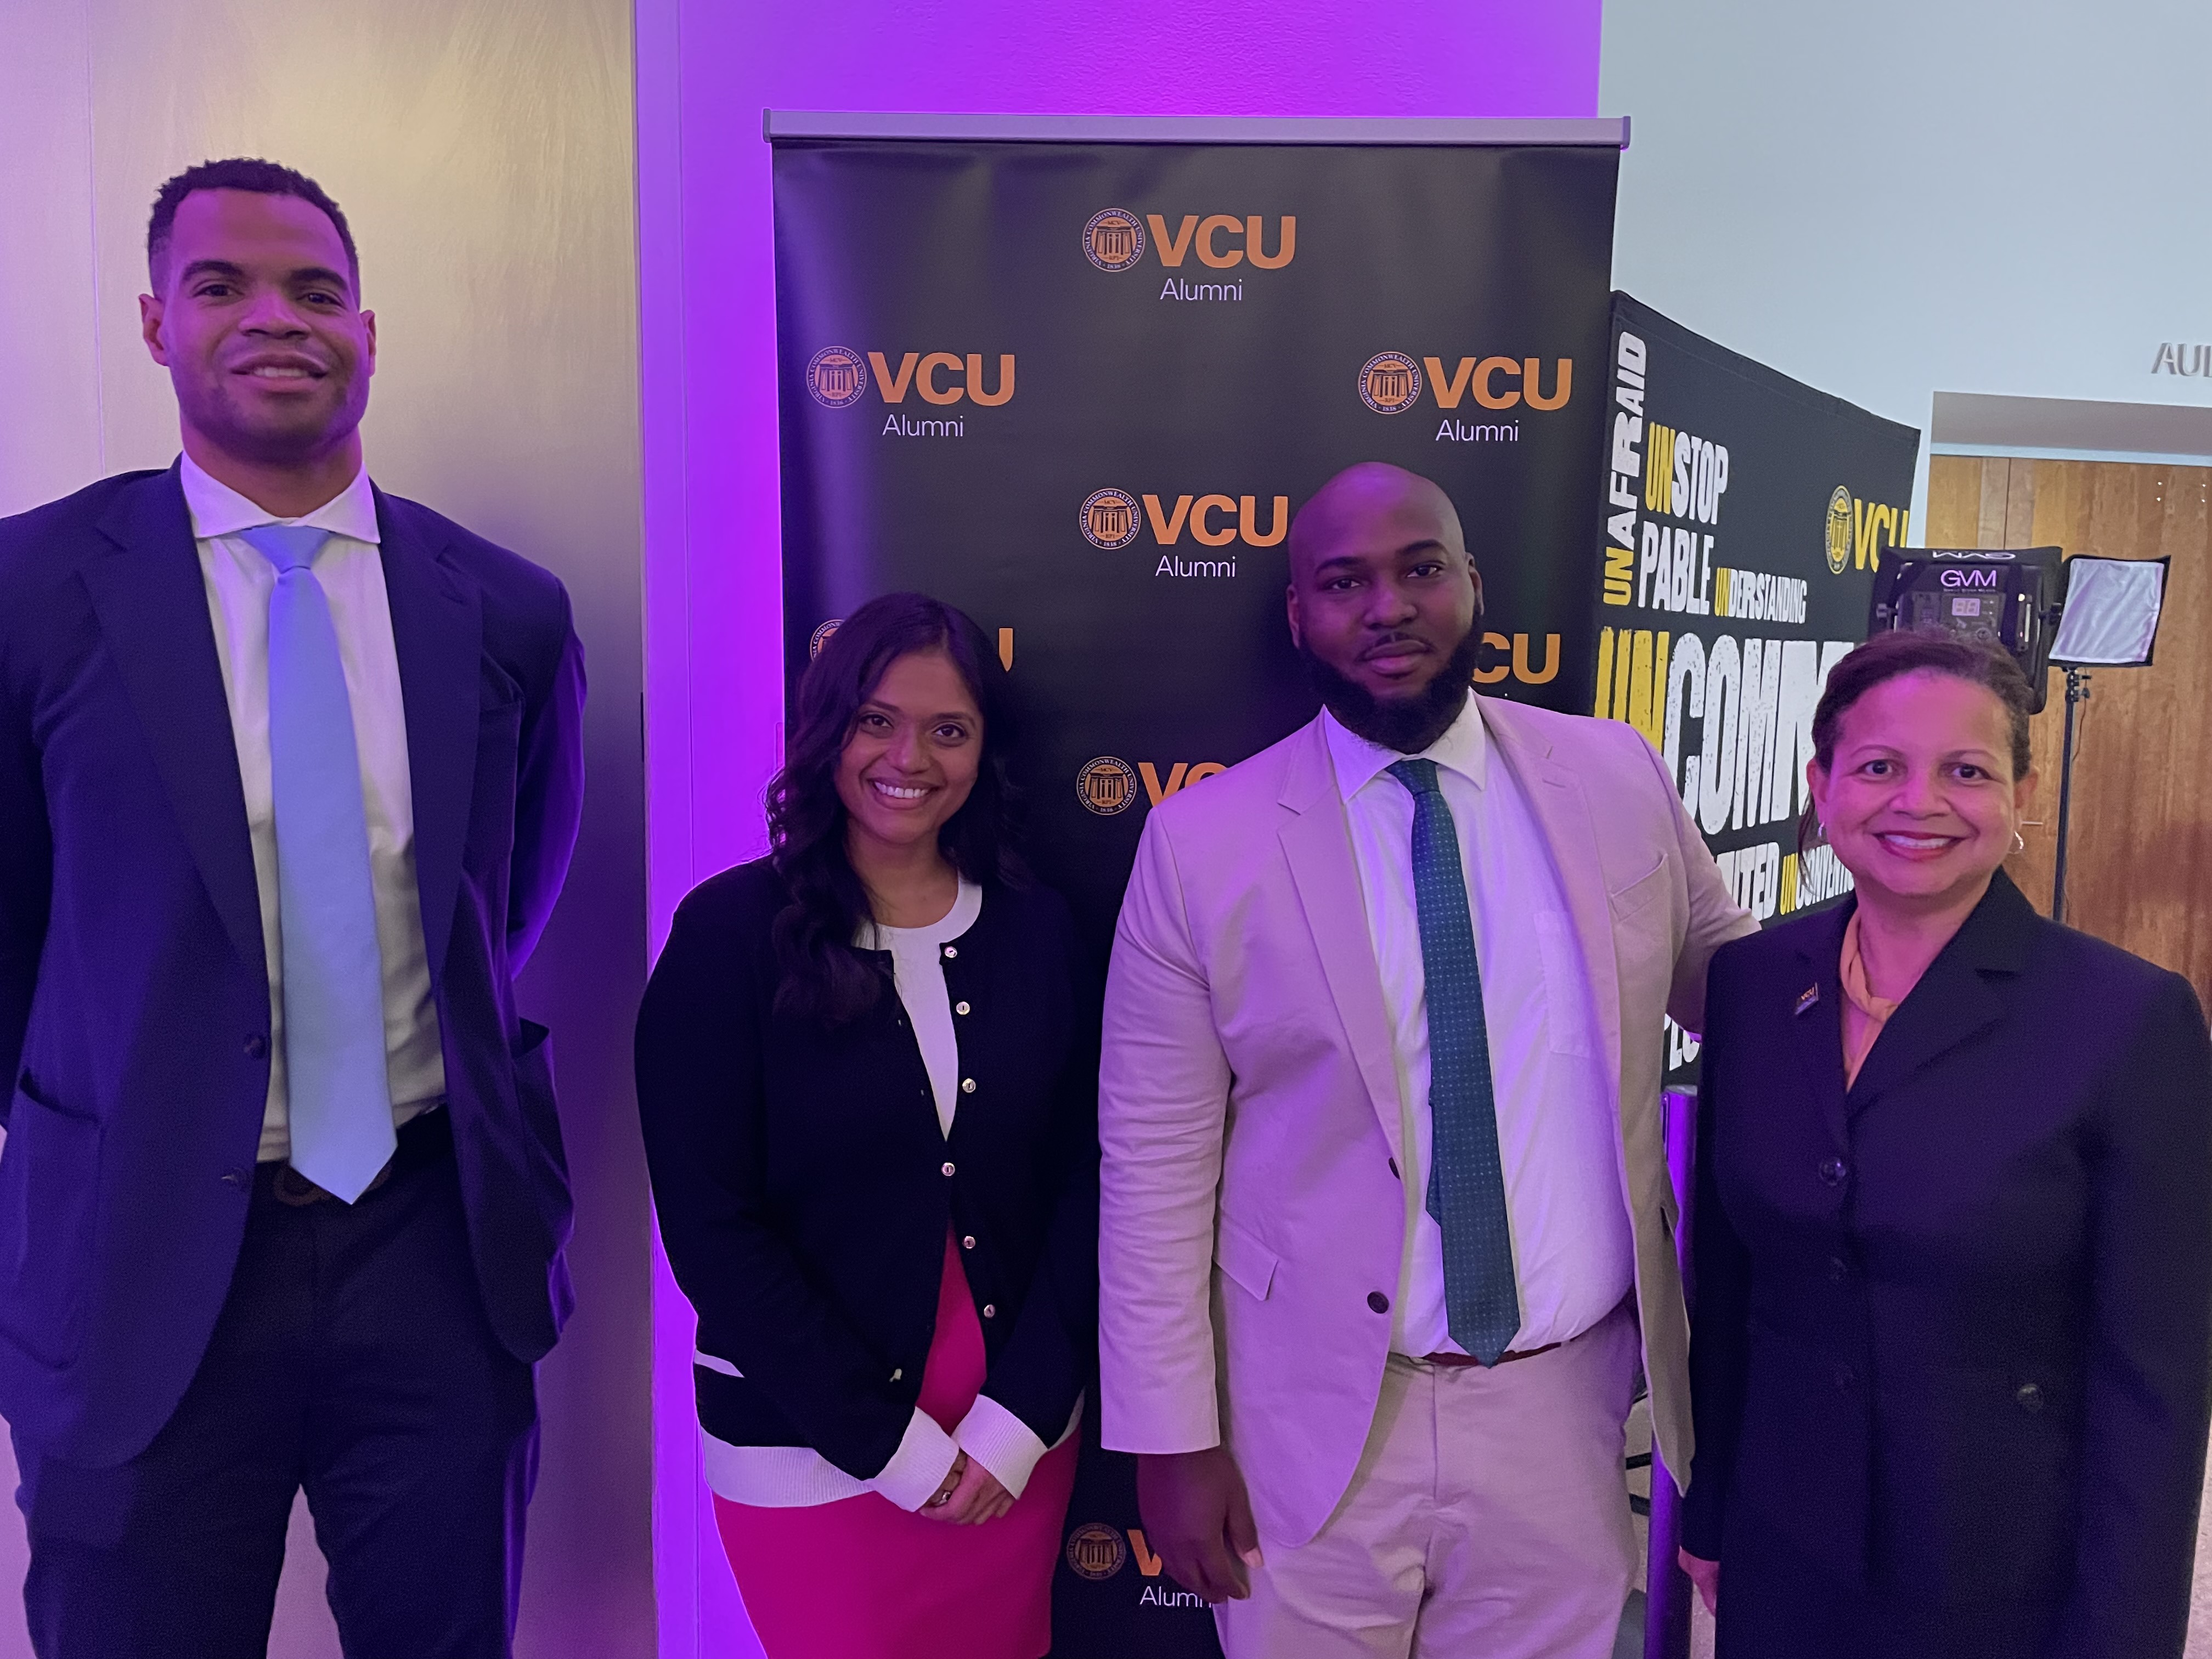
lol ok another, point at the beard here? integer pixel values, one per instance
(1410, 724)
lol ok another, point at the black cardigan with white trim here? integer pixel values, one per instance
(805, 1188)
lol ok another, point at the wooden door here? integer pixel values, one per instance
(2139, 866)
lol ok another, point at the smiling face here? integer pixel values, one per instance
(1384, 600)
(258, 325)
(913, 754)
(1919, 800)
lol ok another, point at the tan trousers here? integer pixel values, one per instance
(1488, 1519)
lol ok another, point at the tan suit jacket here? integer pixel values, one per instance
(1250, 1218)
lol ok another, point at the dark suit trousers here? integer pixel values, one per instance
(352, 1357)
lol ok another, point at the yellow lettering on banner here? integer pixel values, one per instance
(1653, 730)
(1207, 253)
(1527, 676)
(1602, 707)
(1484, 394)
(1203, 532)
(1248, 521)
(1165, 529)
(1789, 883)
(1172, 248)
(1448, 392)
(1289, 242)
(1639, 682)
(1147, 1563)
(1658, 467)
(1531, 370)
(925, 380)
(975, 391)
(893, 387)
(1491, 675)
(1620, 673)
(1723, 583)
(1619, 575)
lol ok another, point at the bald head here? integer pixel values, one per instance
(1369, 503)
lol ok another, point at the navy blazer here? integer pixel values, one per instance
(805, 1187)
(134, 989)
(1954, 1326)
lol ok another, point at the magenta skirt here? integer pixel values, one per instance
(861, 1578)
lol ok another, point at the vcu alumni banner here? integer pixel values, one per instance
(1074, 375)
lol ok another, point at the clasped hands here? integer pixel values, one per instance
(971, 1496)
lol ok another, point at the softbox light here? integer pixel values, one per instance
(2111, 612)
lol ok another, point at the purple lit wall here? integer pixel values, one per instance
(713, 670)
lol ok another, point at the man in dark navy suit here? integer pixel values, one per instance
(289, 779)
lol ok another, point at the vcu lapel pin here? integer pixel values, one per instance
(1811, 997)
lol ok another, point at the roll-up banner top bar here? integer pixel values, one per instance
(1606, 132)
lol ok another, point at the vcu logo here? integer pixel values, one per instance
(1095, 1551)
(838, 376)
(835, 376)
(1114, 239)
(1110, 520)
(1858, 531)
(1390, 382)
(1107, 785)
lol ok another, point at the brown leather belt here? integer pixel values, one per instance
(422, 1139)
(1505, 1359)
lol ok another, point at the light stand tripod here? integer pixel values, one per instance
(2077, 693)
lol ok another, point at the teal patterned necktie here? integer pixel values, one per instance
(1467, 1179)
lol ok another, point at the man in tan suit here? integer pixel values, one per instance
(1385, 1199)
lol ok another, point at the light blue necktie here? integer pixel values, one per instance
(1466, 1180)
(340, 1097)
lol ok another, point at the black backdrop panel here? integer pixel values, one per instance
(1078, 389)
(1744, 515)
(1155, 644)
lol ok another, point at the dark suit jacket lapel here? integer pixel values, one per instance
(152, 603)
(437, 633)
(1954, 1000)
(1817, 1018)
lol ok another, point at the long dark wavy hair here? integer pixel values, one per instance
(824, 976)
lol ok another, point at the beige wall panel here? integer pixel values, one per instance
(483, 152)
(2139, 867)
(49, 332)
(1954, 501)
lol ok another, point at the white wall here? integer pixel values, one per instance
(1894, 197)
(483, 151)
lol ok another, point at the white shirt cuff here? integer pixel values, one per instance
(925, 1457)
(1002, 1443)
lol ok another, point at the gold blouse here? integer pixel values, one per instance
(1864, 1013)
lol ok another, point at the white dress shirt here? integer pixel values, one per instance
(350, 568)
(792, 1477)
(1573, 1252)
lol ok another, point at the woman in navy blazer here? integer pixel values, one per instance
(1952, 1355)
(867, 1067)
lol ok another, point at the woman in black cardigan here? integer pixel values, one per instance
(867, 1068)
(1952, 1360)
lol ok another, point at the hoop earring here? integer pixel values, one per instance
(2019, 841)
